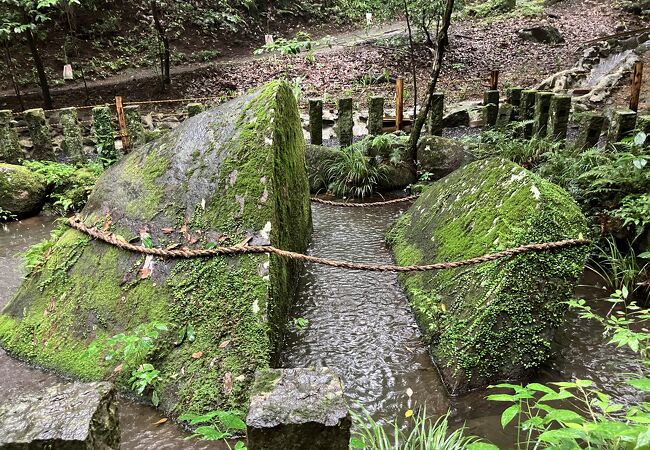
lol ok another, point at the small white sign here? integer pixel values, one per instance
(67, 72)
(368, 19)
(268, 39)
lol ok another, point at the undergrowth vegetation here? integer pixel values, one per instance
(358, 171)
(68, 186)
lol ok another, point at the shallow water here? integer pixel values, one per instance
(361, 326)
(136, 420)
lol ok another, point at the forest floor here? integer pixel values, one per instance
(354, 57)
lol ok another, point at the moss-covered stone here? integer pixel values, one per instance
(558, 122)
(622, 124)
(232, 173)
(376, 116)
(104, 133)
(490, 108)
(134, 125)
(345, 122)
(316, 121)
(41, 135)
(493, 321)
(21, 192)
(194, 108)
(10, 151)
(542, 108)
(72, 144)
(591, 127)
(527, 107)
(441, 156)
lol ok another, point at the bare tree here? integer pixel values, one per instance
(442, 40)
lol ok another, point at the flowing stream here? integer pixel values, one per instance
(360, 324)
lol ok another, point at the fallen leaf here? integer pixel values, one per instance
(227, 383)
(408, 413)
(224, 344)
(147, 268)
(161, 421)
(167, 230)
(240, 378)
(197, 355)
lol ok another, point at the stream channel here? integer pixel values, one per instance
(359, 324)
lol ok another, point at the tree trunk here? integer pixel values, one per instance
(10, 66)
(441, 42)
(165, 56)
(40, 69)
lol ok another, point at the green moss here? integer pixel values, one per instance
(21, 191)
(10, 150)
(498, 318)
(72, 144)
(104, 133)
(88, 291)
(40, 134)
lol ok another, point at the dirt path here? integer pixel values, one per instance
(336, 43)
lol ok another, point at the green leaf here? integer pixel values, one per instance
(191, 335)
(644, 255)
(155, 399)
(211, 434)
(146, 239)
(642, 384)
(481, 446)
(561, 435)
(231, 421)
(357, 443)
(240, 446)
(563, 416)
(643, 440)
(562, 394)
(540, 388)
(501, 398)
(509, 414)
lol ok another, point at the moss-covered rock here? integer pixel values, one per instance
(441, 156)
(493, 321)
(10, 151)
(21, 192)
(231, 173)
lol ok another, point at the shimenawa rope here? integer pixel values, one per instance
(76, 223)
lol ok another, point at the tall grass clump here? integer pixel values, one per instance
(423, 433)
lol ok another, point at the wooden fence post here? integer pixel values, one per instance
(399, 103)
(494, 80)
(121, 120)
(637, 76)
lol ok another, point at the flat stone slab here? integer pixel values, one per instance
(79, 416)
(298, 409)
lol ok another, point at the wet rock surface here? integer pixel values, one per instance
(79, 416)
(21, 192)
(298, 409)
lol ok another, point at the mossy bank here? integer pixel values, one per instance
(493, 321)
(230, 174)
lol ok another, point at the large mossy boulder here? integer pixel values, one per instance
(21, 192)
(493, 321)
(231, 174)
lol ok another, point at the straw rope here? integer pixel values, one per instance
(76, 223)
